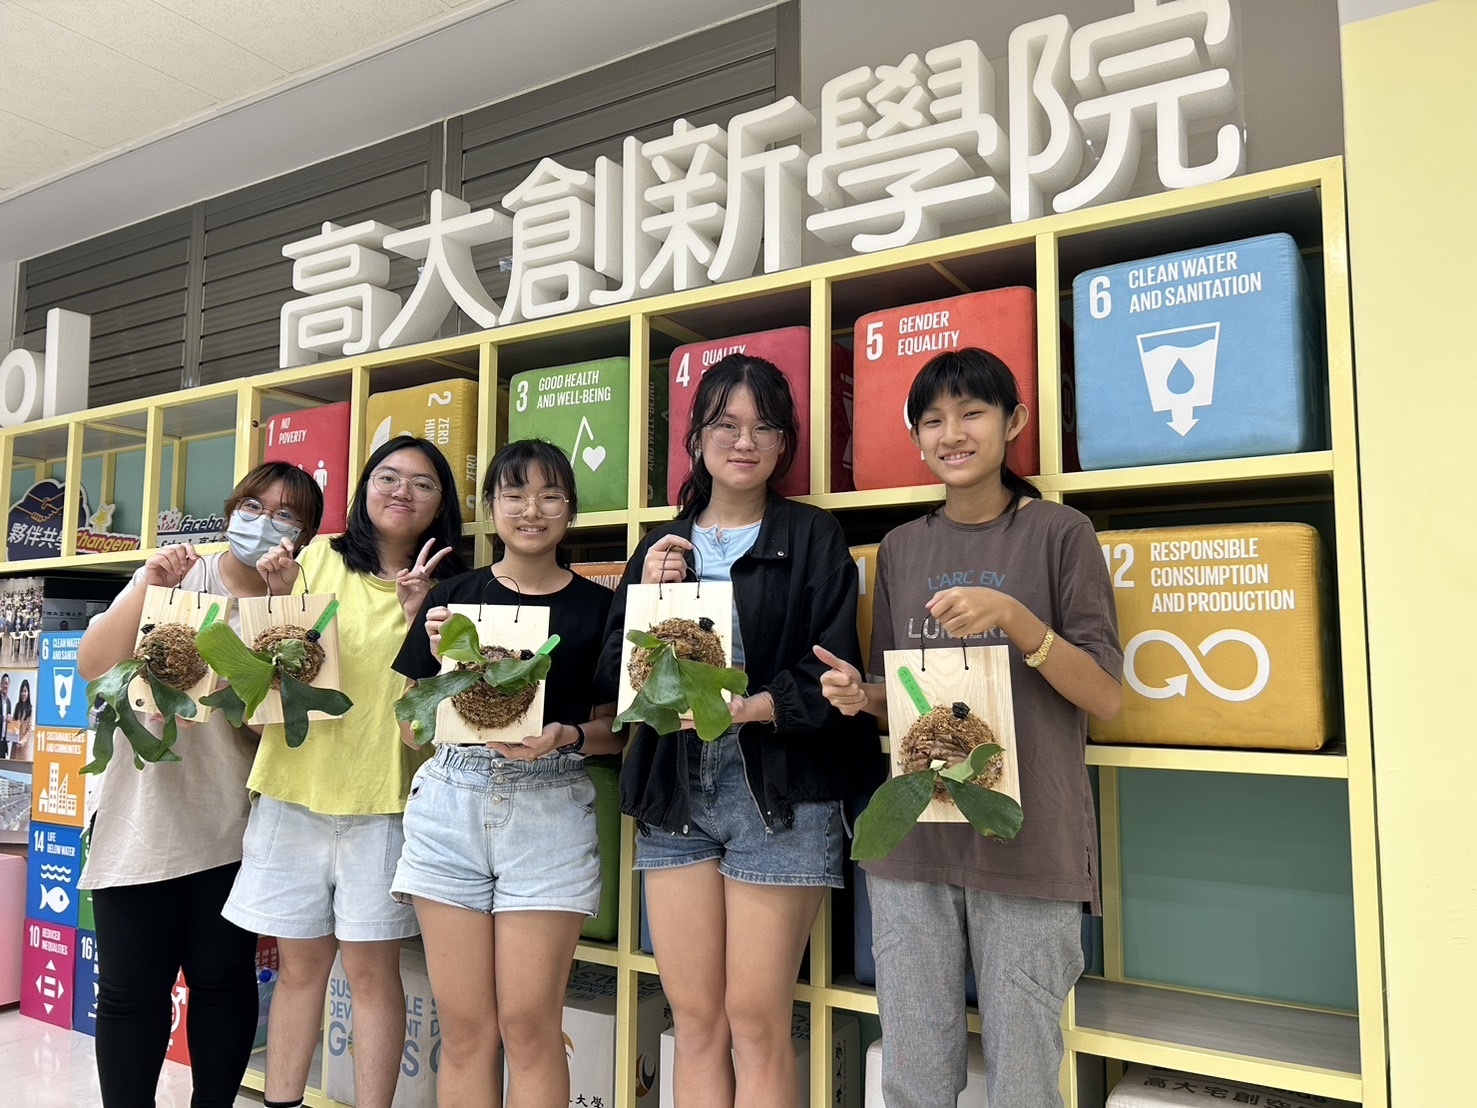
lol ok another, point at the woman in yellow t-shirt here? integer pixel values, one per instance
(324, 834)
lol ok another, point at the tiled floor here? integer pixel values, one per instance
(44, 1067)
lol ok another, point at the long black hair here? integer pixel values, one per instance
(513, 464)
(974, 374)
(774, 402)
(357, 545)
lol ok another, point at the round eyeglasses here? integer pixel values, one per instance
(389, 482)
(550, 505)
(726, 435)
(281, 520)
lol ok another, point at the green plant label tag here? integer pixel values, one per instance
(910, 683)
(210, 614)
(327, 617)
(548, 647)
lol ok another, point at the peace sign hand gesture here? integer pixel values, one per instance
(411, 585)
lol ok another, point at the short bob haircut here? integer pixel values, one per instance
(357, 545)
(299, 493)
(773, 400)
(973, 374)
(515, 465)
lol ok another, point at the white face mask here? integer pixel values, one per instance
(251, 538)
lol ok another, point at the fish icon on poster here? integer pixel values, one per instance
(593, 456)
(1179, 369)
(55, 898)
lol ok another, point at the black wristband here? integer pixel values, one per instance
(576, 746)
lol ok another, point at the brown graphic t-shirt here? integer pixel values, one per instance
(1047, 556)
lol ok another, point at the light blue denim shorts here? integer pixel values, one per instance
(724, 823)
(305, 875)
(495, 834)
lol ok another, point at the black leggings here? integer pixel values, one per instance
(145, 935)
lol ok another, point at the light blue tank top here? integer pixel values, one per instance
(716, 549)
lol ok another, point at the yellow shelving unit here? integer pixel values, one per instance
(1335, 1054)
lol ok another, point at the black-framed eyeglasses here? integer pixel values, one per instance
(389, 482)
(282, 519)
(551, 505)
(727, 435)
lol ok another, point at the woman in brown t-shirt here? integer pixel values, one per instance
(995, 564)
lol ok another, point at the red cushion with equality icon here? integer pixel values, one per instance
(892, 345)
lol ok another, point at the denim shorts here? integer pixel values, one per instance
(725, 823)
(495, 834)
(305, 875)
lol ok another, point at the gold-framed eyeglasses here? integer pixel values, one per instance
(550, 505)
(726, 435)
(389, 482)
(281, 520)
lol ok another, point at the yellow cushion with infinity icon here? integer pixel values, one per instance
(1227, 637)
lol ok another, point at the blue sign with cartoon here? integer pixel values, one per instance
(61, 695)
(33, 529)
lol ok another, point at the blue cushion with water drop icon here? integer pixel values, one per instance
(1207, 353)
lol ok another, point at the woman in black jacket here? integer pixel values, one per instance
(741, 836)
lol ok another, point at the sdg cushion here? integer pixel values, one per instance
(789, 349)
(891, 346)
(1227, 637)
(445, 413)
(1201, 354)
(584, 409)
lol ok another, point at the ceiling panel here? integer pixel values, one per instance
(164, 40)
(295, 36)
(72, 84)
(30, 151)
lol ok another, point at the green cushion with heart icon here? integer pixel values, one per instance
(584, 410)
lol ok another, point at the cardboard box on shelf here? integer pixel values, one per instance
(421, 1054)
(845, 1059)
(589, 1034)
(973, 1095)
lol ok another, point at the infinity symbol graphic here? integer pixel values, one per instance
(1179, 684)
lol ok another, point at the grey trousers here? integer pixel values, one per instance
(1027, 955)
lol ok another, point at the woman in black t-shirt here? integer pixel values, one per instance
(500, 858)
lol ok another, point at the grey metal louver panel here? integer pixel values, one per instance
(195, 296)
(247, 280)
(705, 78)
(134, 284)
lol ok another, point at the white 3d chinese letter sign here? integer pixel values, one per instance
(905, 150)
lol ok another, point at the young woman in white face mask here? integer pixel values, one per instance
(166, 840)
